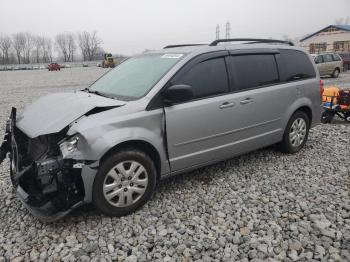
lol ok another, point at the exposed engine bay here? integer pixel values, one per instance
(48, 184)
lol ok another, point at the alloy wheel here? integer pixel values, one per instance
(297, 132)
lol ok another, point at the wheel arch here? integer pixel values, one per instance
(304, 105)
(307, 110)
(142, 145)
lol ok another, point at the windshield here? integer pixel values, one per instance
(133, 78)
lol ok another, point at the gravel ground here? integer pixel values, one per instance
(263, 205)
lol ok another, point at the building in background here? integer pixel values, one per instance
(333, 38)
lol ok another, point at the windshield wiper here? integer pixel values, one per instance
(98, 93)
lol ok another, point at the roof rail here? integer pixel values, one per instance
(173, 46)
(253, 40)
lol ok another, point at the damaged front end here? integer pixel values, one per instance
(48, 185)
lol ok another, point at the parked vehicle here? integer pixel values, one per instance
(346, 60)
(156, 115)
(108, 61)
(54, 67)
(328, 64)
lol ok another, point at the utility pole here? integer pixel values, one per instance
(217, 32)
(228, 30)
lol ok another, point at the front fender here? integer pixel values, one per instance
(95, 149)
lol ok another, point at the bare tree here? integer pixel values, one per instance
(61, 45)
(47, 50)
(39, 47)
(89, 44)
(342, 21)
(18, 45)
(65, 44)
(28, 46)
(5, 45)
(71, 46)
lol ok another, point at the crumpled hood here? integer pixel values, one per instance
(51, 113)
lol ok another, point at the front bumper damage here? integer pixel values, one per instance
(49, 186)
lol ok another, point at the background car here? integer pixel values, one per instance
(54, 67)
(346, 60)
(328, 64)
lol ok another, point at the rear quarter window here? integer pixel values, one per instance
(295, 65)
(336, 57)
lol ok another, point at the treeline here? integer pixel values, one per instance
(26, 47)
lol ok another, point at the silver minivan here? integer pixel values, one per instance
(156, 115)
(328, 64)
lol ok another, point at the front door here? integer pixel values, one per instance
(194, 127)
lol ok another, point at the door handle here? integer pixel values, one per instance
(226, 105)
(246, 101)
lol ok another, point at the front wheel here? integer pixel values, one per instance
(296, 133)
(124, 182)
(336, 73)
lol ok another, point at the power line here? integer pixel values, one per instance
(217, 32)
(228, 30)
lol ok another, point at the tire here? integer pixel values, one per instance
(336, 73)
(347, 116)
(121, 189)
(288, 145)
(327, 117)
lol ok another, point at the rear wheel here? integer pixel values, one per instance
(347, 116)
(327, 117)
(125, 181)
(336, 73)
(296, 133)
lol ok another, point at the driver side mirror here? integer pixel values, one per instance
(177, 94)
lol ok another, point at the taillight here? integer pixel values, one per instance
(321, 88)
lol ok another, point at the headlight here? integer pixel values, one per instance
(69, 146)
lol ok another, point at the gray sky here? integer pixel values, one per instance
(131, 26)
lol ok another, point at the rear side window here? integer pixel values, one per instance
(336, 57)
(295, 65)
(252, 71)
(207, 78)
(327, 58)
